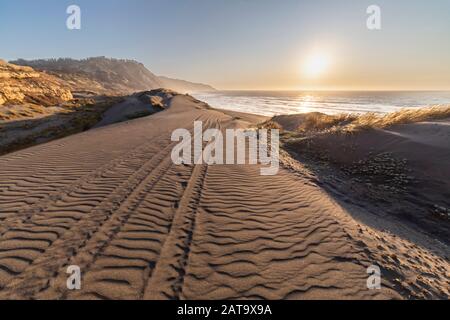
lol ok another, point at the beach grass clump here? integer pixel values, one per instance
(318, 121)
(269, 124)
(405, 116)
(315, 122)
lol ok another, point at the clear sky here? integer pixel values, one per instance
(246, 44)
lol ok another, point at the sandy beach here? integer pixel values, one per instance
(111, 201)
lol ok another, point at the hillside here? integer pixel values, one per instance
(19, 85)
(109, 76)
(37, 106)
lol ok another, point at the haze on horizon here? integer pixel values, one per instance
(247, 44)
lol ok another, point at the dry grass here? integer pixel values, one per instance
(20, 112)
(270, 125)
(318, 122)
(404, 116)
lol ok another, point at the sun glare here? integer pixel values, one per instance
(316, 65)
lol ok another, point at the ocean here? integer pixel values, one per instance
(270, 103)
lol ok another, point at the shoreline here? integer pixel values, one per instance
(273, 103)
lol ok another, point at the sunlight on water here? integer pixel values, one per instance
(274, 103)
(305, 104)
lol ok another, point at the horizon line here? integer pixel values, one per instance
(242, 89)
(337, 90)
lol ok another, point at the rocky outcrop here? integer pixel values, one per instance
(22, 84)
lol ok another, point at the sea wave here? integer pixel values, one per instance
(270, 103)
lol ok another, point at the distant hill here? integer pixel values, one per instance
(109, 76)
(186, 86)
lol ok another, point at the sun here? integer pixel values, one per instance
(316, 65)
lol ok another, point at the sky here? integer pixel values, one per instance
(246, 44)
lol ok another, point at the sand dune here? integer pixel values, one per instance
(111, 201)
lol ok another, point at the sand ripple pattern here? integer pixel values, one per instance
(111, 201)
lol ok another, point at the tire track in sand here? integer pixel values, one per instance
(63, 227)
(117, 256)
(24, 213)
(27, 183)
(167, 279)
(121, 269)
